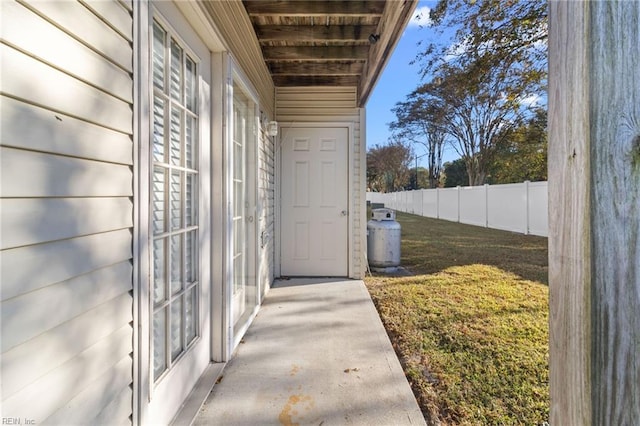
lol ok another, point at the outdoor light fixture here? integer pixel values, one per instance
(272, 129)
(373, 38)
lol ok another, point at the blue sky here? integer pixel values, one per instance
(398, 79)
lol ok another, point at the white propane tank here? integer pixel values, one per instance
(383, 241)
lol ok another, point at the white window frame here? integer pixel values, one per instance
(235, 75)
(183, 170)
(142, 95)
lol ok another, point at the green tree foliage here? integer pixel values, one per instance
(477, 112)
(485, 78)
(422, 176)
(388, 167)
(455, 174)
(493, 32)
(523, 155)
(419, 120)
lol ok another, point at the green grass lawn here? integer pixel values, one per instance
(470, 324)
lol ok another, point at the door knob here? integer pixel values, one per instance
(343, 213)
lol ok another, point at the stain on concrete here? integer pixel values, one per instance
(294, 370)
(291, 410)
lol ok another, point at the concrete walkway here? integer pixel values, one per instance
(317, 354)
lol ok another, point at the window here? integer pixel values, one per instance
(243, 176)
(174, 194)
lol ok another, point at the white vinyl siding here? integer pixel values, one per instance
(67, 212)
(334, 105)
(266, 210)
(316, 104)
(233, 23)
(37, 174)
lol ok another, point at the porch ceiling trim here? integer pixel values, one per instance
(308, 43)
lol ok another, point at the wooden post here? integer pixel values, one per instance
(594, 212)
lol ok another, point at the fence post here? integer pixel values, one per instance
(526, 207)
(437, 203)
(486, 205)
(458, 193)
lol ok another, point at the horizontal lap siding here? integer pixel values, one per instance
(233, 23)
(358, 193)
(67, 211)
(266, 194)
(332, 105)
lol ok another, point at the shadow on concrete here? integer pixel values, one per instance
(317, 353)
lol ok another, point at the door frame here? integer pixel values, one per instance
(195, 361)
(142, 89)
(350, 182)
(234, 75)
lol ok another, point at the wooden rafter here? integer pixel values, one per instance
(317, 68)
(315, 53)
(314, 33)
(314, 8)
(317, 80)
(327, 42)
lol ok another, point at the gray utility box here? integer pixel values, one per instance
(383, 239)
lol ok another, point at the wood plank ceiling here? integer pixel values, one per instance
(327, 43)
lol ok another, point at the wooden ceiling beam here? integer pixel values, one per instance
(267, 33)
(316, 68)
(298, 52)
(390, 27)
(310, 53)
(314, 8)
(313, 80)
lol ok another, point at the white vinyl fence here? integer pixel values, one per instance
(515, 207)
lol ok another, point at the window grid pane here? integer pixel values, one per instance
(159, 208)
(176, 128)
(159, 40)
(190, 141)
(159, 270)
(174, 200)
(191, 197)
(238, 162)
(191, 263)
(190, 85)
(176, 71)
(190, 315)
(159, 333)
(238, 272)
(176, 328)
(238, 202)
(176, 264)
(158, 130)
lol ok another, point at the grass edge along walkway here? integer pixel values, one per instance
(471, 327)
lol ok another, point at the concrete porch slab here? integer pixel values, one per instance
(316, 354)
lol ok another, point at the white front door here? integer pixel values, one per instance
(179, 234)
(314, 212)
